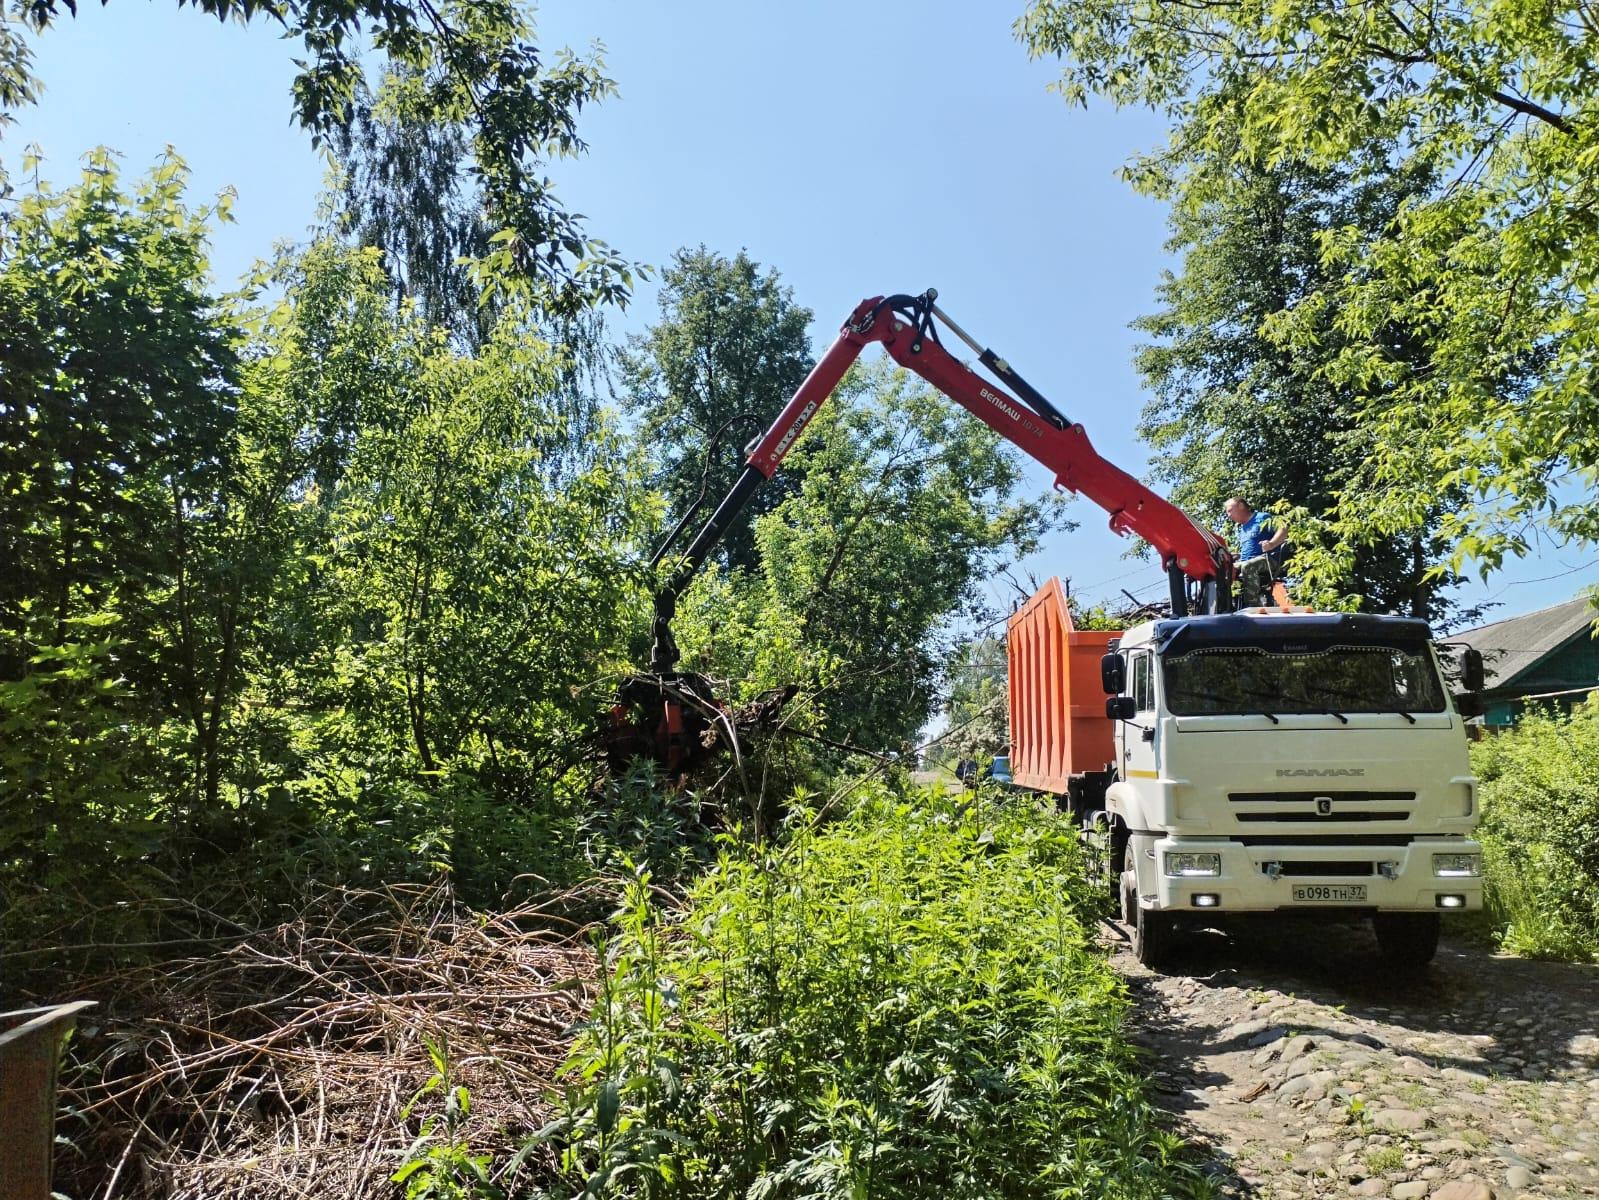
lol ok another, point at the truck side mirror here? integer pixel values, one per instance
(1119, 708)
(1471, 672)
(1113, 674)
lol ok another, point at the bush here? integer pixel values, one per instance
(906, 1002)
(1539, 787)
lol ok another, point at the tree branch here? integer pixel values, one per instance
(1528, 108)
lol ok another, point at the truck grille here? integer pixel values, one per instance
(1325, 839)
(1310, 798)
(1332, 817)
(1343, 870)
(1303, 807)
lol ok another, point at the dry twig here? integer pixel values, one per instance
(279, 1063)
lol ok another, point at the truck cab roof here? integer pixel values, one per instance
(1278, 630)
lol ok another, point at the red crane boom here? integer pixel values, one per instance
(1198, 564)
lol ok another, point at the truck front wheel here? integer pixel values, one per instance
(1153, 935)
(1406, 940)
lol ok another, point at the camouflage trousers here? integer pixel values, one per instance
(1254, 582)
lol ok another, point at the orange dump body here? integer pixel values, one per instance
(1058, 726)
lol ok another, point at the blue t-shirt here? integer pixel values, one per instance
(1251, 534)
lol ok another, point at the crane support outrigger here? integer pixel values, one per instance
(1198, 564)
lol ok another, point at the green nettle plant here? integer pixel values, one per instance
(905, 1002)
(440, 1164)
(1539, 788)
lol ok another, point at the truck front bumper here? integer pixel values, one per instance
(1267, 878)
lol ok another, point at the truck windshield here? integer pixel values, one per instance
(1239, 680)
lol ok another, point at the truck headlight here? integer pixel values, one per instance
(1193, 864)
(1457, 866)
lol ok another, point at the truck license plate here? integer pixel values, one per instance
(1331, 893)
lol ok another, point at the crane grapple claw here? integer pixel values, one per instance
(674, 720)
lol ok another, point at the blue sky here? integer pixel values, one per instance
(858, 148)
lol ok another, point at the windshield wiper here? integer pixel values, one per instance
(1272, 717)
(1334, 713)
(1347, 696)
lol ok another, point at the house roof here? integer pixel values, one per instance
(1511, 646)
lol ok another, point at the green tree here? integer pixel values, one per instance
(1234, 410)
(1492, 271)
(902, 505)
(477, 68)
(729, 349)
(405, 187)
(117, 431)
(978, 706)
(116, 386)
(460, 594)
(280, 570)
(117, 421)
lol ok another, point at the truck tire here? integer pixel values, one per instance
(1153, 935)
(1407, 940)
(1129, 899)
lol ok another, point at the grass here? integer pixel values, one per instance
(1384, 1159)
(904, 1003)
(1413, 1095)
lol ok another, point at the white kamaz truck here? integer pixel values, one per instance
(1258, 762)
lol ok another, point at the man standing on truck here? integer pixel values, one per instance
(1258, 535)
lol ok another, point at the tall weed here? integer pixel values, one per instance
(1539, 787)
(903, 1003)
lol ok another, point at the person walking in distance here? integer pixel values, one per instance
(1259, 534)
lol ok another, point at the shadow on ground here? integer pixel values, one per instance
(1540, 1017)
(1474, 1033)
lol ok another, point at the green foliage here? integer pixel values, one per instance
(1539, 790)
(904, 505)
(1236, 411)
(907, 995)
(303, 584)
(440, 1164)
(1491, 273)
(476, 67)
(729, 349)
(641, 824)
(70, 775)
(1096, 616)
(901, 505)
(460, 577)
(405, 187)
(978, 707)
(468, 591)
(117, 428)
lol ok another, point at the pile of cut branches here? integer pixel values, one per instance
(284, 1062)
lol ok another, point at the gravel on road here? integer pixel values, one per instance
(1309, 1069)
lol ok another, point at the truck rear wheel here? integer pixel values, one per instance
(1153, 935)
(1406, 940)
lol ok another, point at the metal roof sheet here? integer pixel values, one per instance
(1511, 646)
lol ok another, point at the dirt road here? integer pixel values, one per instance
(1309, 1071)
